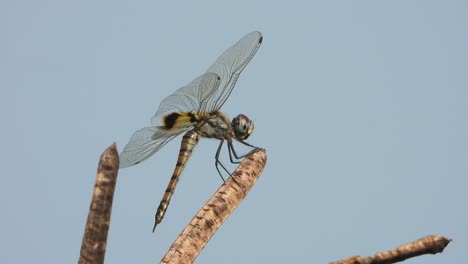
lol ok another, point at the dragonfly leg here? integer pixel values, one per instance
(232, 152)
(217, 162)
(231, 148)
(247, 144)
(232, 156)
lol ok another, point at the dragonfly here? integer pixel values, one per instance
(194, 110)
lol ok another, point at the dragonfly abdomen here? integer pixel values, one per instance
(189, 141)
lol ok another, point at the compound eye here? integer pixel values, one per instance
(242, 126)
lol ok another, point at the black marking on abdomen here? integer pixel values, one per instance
(186, 150)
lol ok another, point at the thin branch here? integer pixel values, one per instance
(427, 245)
(93, 246)
(217, 209)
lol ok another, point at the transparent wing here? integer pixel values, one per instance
(192, 97)
(229, 66)
(144, 143)
(147, 141)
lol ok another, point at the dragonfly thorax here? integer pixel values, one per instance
(215, 125)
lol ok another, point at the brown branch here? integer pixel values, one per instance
(217, 209)
(93, 246)
(427, 245)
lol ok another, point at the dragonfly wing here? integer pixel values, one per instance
(144, 143)
(230, 64)
(191, 98)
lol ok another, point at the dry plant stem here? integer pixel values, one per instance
(217, 209)
(93, 246)
(428, 245)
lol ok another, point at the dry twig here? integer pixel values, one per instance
(93, 246)
(217, 209)
(427, 245)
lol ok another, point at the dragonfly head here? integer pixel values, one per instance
(242, 126)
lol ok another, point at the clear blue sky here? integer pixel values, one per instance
(361, 105)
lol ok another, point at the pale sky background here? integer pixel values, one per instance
(361, 105)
